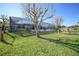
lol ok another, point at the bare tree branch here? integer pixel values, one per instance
(36, 14)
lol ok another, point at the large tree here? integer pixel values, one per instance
(37, 14)
(4, 23)
(58, 23)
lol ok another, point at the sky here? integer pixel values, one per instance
(69, 11)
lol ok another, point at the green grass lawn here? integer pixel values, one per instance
(46, 45)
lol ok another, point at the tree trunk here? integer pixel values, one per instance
(37, 31)
(58, 34)
(1, 36)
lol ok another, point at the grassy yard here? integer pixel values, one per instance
(46, 45)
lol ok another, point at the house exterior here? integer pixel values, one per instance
(17, 23)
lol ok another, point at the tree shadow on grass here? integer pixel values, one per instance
(28, 34)
(72, 46)
(23, 34)
(13, 37)
(9, 43)
(5, 42)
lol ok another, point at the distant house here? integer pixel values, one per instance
(17, 23)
